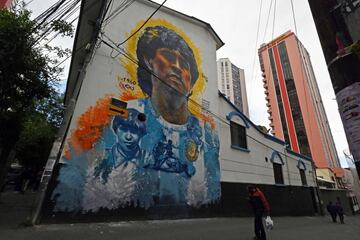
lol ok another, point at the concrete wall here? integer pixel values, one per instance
(146, 162)
(164, 149)
(255, 163)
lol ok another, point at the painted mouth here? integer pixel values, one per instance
(176, 79)
(128, 143)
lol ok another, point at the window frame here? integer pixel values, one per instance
(278, 175)
(302, 173)
(235, 131)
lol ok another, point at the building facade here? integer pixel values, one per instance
(121, 156)
(337, 23)
(294, 102)
(231, 82)
(5, 3)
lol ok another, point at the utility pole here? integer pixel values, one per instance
(337, 26)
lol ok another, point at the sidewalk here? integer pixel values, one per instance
(15, 208)
(287, 228)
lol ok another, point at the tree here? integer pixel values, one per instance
(38, 132)
(28, 73)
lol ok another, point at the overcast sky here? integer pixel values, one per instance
(236, 22)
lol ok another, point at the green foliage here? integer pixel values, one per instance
(65, 28)
(35, 141)
(39, 129)
(52, 109)
(30, 109)
(25, 74)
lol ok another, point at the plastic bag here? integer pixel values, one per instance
(269, 223)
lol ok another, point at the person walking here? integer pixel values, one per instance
(260, 206)
(331, 208)
(340, 211)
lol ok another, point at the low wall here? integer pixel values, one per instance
(284, 201)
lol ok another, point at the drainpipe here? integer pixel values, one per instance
(317, 190)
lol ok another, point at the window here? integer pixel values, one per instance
(278, 173)
(238, 136)
(278, 96)
(303, 177)
(294, 101)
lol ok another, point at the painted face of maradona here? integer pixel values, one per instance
(170, 66)
(128, 138)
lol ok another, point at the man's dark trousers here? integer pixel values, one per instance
(259, 226)
(333, 216)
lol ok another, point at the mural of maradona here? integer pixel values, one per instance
(162, 153)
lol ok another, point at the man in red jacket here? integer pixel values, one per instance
(260, 206)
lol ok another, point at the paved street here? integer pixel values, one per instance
(287, 228)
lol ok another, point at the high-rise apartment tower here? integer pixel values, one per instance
(231, 82)
(297, 114)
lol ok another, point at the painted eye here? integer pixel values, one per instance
(171, 57)
(183, 64)
(161, 65)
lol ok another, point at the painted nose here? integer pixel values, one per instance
(128, 136)
(176, 67)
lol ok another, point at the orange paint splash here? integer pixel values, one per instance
(209, 119)
(67, 154)
(127, 96)
(90, 125)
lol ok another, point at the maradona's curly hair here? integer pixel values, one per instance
(157, 37)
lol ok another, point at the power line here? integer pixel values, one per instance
(293, 14)
(267, 20)
(132, 59)
(256, 42)
(125, 4)
(81, 47)
(273, 26)
(63, 13)
(142, 25)
(48, 13)
(30, 1)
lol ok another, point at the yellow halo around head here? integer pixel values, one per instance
(131, 67)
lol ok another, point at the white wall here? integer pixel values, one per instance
(251, 167)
